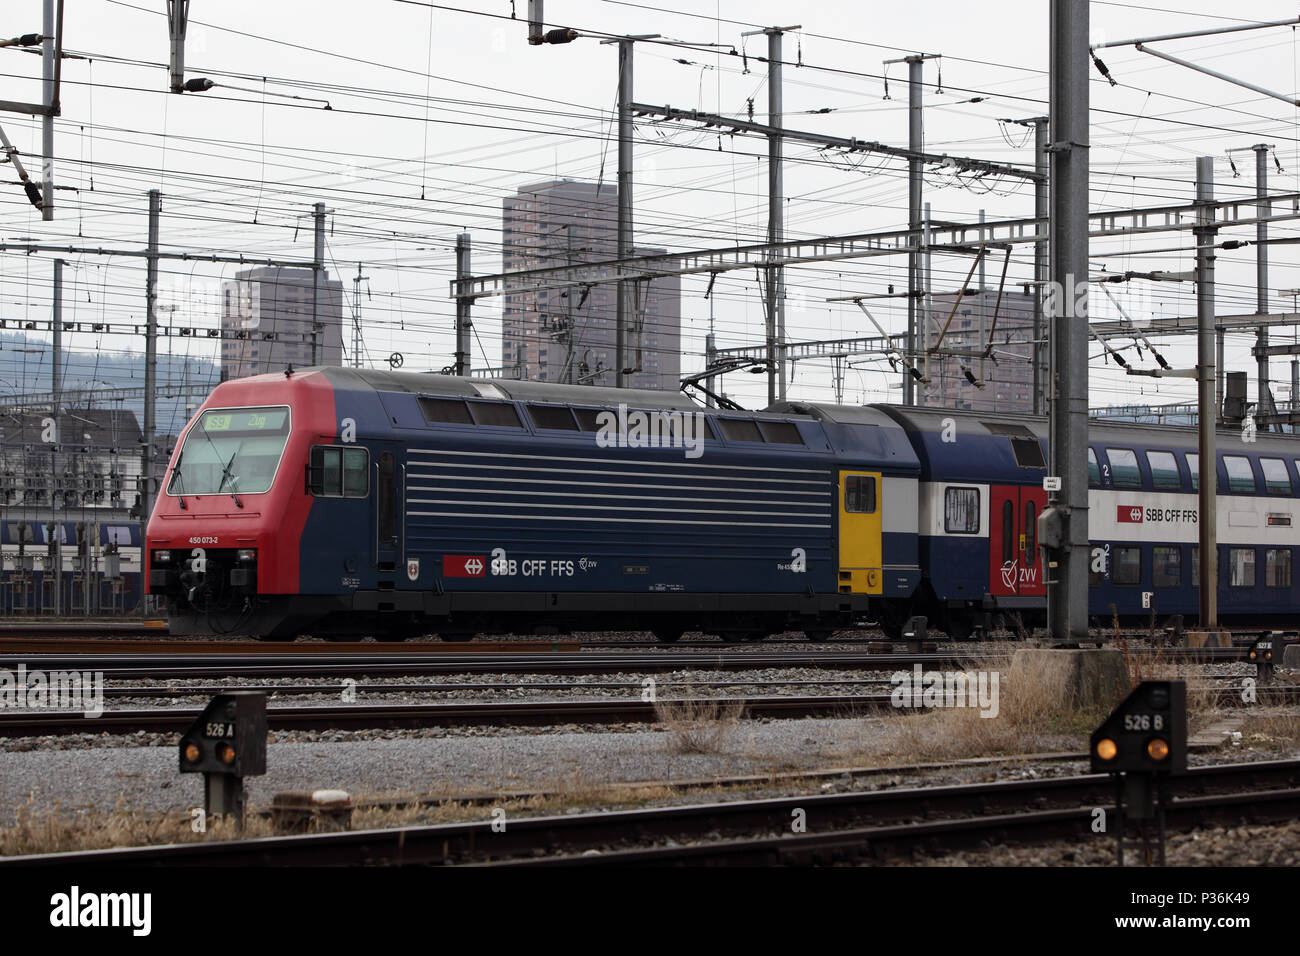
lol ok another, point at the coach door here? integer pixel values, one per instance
(861, 495)
(1015, 564)
(388, 502)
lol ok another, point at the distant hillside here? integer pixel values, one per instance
(25, 369)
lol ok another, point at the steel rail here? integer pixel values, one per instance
(416, 716)
(840, 820)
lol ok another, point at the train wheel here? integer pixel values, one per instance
(668, 635)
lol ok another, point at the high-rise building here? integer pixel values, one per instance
(266, 322)
(1005, 375)
(568, 335)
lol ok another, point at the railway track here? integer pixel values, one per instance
(378, 716)
(630, 688)
(329, 664)
(414, 716)
(851, 827)
(261, 665)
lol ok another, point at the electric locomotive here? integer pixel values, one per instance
(341, 503)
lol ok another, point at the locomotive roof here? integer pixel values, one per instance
(430, 383)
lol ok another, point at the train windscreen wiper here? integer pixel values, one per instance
(178, 477)
(233, 479)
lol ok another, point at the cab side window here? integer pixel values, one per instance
(336, 471)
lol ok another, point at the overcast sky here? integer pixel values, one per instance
(438, 113)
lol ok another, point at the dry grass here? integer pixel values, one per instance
(699, 726)
(38, 829)
(43, 829)
(1203, 707)
(1033, 716)
(1029, 719)
(1278, 731)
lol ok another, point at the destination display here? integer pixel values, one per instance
(251, 420)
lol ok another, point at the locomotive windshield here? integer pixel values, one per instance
(231, 451)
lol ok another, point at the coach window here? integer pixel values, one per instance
(1276, 480)
(1164, 471)
(1128, 566)
(338, 472)
(859, 493)
(587, 419)
(1029, 454)
(1094, 470)
(1166, 567)
(450, 411)
(740, 429)
(1031, 529)
(1194, 469)
(1196, 565)
(495, 413)
(555, 417)
(781, 433)
(1277, 568)
(1241, 567)
(961, 511)
(1124, 468)
(1241, 477)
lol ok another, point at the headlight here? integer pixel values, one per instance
(247, 555)
(162, 557)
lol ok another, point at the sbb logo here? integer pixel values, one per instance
(462, 566)
(1129, 513)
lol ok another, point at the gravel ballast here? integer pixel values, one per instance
(96, 772)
